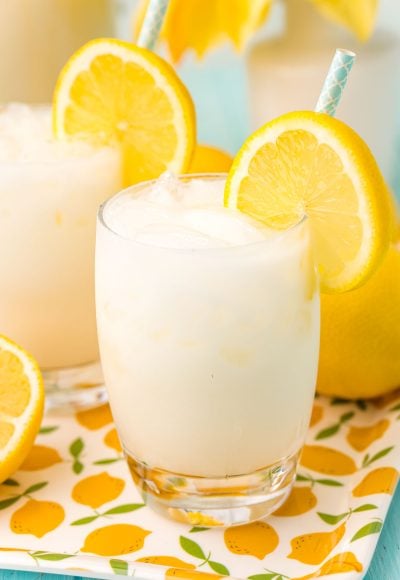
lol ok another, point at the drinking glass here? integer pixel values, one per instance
(48, 206)
(210, 359)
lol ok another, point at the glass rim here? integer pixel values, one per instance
(280, 234)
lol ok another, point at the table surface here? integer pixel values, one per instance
(385, 565)
(219, 89)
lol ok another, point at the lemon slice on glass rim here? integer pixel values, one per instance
(114, 93)
(310, 164)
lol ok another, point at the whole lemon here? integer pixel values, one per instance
(360, 336)
(209, 159)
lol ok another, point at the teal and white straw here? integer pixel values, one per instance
(152, 23)
(335, 82)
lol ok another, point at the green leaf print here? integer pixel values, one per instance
(84, 521)
(365, 507)
(322, 481)
(5, 503)
(367, 530)
(346, 417)
(196, 529)
(331, 482)
(191, 548)
(339, 401)
(107, 461)
(218, 568)
(368, 460)
(331, 519)
(328, 432)
(48, 430)
(77, 467)
(50, 556)
(35, 487)
(76, 447)
(124, 509)
(121, 509)
(333, 429)
(75, 450)
(10, 482)
(119, 567)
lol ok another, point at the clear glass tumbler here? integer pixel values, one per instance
(210, 359)
(49, 195)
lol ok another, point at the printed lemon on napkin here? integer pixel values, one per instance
(21, 405)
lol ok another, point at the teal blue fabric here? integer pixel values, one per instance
(219, 89)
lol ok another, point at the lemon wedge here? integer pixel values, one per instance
(21, 405)
(114, 93)
(310, 164)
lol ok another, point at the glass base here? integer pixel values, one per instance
(74, 388)
(223, 501)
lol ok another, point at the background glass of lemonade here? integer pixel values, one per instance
(38, 38)
(209, 334)
(49, 195)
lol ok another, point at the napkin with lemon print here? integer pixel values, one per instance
(72, 506)
(202, 24)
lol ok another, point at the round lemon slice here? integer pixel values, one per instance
(310, 164)
(114, 93)
(21, 405)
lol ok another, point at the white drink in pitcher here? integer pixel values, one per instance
(209, 336)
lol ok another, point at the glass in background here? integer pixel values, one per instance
(287, 64)
(49, 194)
(39, 36)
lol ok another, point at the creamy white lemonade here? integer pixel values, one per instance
(49, 193)
(209, 330)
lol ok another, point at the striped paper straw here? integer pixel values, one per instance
(335, 81)
(152, 23)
